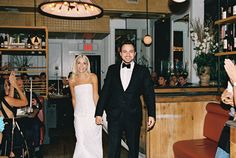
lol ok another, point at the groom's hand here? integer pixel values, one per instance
(99, 120)
(150, 123)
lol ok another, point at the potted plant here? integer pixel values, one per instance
(21, 62)
(205, 45)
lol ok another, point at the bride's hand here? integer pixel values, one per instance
(99, 120)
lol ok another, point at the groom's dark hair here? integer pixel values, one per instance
(127, 42)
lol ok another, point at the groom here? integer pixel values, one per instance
(120, 97)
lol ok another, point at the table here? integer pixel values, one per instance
(28, 115)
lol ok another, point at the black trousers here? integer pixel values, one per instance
(14, 143)
(116, 129)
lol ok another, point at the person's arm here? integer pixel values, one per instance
(231, 71)
(72, 85)
(95, 88)
(36, 102)
(149, 98)
(104, 95)
(16, 102)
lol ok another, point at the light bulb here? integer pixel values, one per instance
(147, 40)
(179, 1)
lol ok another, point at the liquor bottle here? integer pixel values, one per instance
(29, 43)
(43, 42)
(36, 42)
(1, 42)
(229, 8)
(230, 41)
(225, 40)
(5, 43)
(223, 9)
(234, 7)
(222, 31)
(234, 37)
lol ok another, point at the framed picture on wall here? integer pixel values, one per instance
(120, 36)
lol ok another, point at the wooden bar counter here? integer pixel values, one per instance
(232, 125)
(180, 115)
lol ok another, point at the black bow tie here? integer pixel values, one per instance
(126, 65)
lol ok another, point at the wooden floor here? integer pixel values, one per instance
(62, 143)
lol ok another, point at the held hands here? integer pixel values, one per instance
(150, 123)
(99, 120)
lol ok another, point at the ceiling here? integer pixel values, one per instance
(108, 12)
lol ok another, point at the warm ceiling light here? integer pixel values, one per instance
(147, 39)
(179, 1)
(71, 9)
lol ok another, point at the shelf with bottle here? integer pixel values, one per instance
(227, 36)
(228, 11)
(19, 44)
(230, 19)
(12, 42)
(225, 53)
(23, 38)
(21, 51)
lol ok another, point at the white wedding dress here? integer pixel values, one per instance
(88, 134)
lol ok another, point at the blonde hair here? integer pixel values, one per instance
(85, 58)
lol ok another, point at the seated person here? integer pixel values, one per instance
(5, 76)
(162, 81)
(39, 84)
(223, 149)
(42, 76)
(183, 81)
(32, 125)
(154, 78)
(65, 85)
(8, 111)
(228, 97)
(173, 80)
(25, 77)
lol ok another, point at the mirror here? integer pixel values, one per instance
(180, 55)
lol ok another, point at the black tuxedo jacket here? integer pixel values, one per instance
(115, 101)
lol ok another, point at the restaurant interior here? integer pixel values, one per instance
(183, 44)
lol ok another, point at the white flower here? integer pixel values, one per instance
(203, 38)
(197, 44)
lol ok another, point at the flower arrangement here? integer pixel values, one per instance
(203, 37)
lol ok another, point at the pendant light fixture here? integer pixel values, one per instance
(147, 39)
(71, 9)
(178, 6)
(179, 1)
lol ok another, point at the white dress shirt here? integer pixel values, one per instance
(125, 75)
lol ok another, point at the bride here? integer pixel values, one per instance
(84, 92)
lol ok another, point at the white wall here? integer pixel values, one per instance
(63, 51)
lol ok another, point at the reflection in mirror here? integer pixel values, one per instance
(180, 53)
